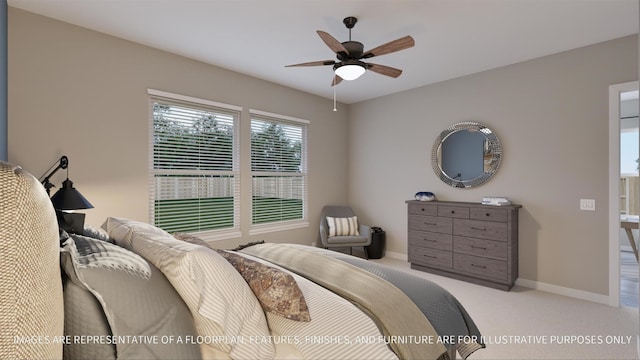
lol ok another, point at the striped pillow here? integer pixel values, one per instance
(343, 226)
(221, 303)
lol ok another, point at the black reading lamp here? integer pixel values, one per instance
(66, 198)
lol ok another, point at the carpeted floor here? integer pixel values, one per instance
(532, 324)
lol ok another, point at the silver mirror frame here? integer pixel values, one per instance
(492, 154)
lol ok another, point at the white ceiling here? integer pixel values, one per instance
(258, 37)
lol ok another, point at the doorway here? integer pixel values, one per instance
(623, 103)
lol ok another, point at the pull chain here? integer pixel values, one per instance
(334, 95)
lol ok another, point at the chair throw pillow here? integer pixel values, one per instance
(345, 226)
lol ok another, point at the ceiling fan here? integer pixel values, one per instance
(350, 55)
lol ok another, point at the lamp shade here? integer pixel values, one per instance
(350, 70)
(68, 198)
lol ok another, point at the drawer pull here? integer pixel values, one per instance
(478, 247)
(430, 256)
(479, 266)
(432, 224)
(430, 240)
(453, 211)
(488, 214)
(477, 228)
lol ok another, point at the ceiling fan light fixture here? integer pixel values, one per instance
(349, 70)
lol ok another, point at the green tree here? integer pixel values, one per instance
(188, 139)
(275, 151)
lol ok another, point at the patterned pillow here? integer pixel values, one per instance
(276, 290)
(190, 238)
(347, 226)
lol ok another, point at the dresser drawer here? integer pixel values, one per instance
(453, 211)
(430, 257)
(423, 209)
(468, 241)
(480, 247)
(498, 215)
(431, 240)
(481, 229)
(480, 267)
(431, 224)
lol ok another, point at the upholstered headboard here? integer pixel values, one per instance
(31, 302)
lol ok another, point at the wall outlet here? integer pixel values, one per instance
(588, 204)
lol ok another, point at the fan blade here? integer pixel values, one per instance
(332, 43)
(392, 46)
(384, 70)
(314, 63)
(336, 80)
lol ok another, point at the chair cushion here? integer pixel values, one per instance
(343, 226)
(351, 240)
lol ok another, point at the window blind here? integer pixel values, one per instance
(193, 165)
(278, 170)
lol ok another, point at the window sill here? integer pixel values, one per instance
(267, 228)
(217, 236)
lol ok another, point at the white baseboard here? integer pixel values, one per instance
(538, 285)
(396, 255)
(565, 291)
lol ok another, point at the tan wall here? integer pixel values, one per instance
(84, 94)
(551, 115)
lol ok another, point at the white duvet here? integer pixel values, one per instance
(224, 306)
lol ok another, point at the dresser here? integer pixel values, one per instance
(466, 241)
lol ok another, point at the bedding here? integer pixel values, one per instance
(444, 311)
(277, 291)
(150, 286)
(98, 274)
(363, 289)
(225, 311)
(346, 316)
(337, 330)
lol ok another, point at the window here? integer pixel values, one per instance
(194, 165)
(278, 171)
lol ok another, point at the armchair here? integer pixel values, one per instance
(341, 240)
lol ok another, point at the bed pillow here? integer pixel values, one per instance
(343, 226)
(190, 238)
(221, 303)
(114, 293)
(123, 228)
(96, 233)
(276, 290)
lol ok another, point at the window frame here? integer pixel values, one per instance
(200, 104)
(281, 225)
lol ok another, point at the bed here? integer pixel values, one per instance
(129, 290)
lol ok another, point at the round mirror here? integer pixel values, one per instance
(466, 154)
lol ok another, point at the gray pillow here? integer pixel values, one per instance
(96, 233)
(122, 305)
